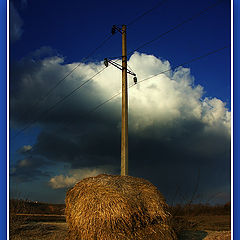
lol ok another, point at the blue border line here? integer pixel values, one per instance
(3, 119)
(236, 102)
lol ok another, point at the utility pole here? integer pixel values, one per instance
(124, 137)
(125, 71)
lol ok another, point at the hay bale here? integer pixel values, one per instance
(116, 208)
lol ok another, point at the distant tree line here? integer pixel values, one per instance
(200, 209)
(31, 207)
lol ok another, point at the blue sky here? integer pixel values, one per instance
(72, 30)
(48, 38)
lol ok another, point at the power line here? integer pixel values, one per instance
(177, 26)
(57, 103)
(84, 59)
(116, 94)
(48, 93)
(190, 61)
(129, 67)
(148, 78)
(61, 100)
(146, 12)
(172, 28)
(94, 109)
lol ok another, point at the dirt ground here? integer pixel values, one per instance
(206, 235)
(41, 231)
(58, 231)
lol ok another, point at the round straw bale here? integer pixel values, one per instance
(111, 207)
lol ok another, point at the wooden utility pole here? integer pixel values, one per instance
(124, 137)
(125, 71)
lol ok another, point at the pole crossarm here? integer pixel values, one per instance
(114, 28)
(106, 61)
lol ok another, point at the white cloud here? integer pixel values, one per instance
(61, 181)
(215, 114)
(164, 100)
(25, 148)
(168, 98)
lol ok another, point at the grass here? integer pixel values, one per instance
(24, 225)
(198, 218)
(40, 231)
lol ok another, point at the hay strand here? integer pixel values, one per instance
(116, 208)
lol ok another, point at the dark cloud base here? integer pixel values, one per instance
(170, 164)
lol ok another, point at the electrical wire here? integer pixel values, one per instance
(148, 78)
(115, 95)
(49, 92)
(43, 114)
(184, 63)
(172, 28)
(67, 122)
(130, 67)
(146, 12)
(177, 26)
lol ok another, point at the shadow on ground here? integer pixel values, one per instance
(192, 235)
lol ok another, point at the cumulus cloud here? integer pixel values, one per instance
(16, 24)
(174, 129)
(163, 99)
(169, 99)
(62, 181)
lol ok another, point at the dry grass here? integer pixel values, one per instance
(21, 226)
(132, 209)
(15, 207)
(40, 231)
(117, 207)
(195, 225)
(197, 218)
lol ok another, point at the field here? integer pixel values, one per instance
(38, 221)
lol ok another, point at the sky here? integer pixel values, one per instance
(179, 111)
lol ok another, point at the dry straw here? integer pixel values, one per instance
(109, 207)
